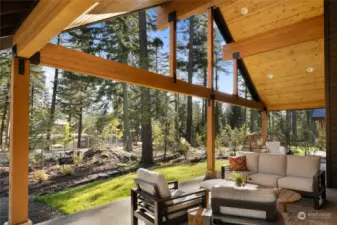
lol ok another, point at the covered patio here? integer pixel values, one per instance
(284, 50)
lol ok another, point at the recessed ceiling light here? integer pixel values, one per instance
(244, 11)
(310, 69)
(270, 76)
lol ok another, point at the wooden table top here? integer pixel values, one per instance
(288, 196)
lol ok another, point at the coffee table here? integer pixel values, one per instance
(288, 197)
(209, 184)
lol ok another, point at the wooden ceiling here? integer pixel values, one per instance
(291, 87)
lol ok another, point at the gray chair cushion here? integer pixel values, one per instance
(296, 183)
(274, 164)
(303, 166)
(154, 178)
(182, 205)
(265, 179)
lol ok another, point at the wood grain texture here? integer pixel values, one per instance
(267, 15)
(211, 103)
(108, 9)
(83, 63)
(291, 84)
(307, 30)
(47, 19)
(19, 144)
(184, 9)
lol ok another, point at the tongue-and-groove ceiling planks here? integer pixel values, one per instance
(292, 86)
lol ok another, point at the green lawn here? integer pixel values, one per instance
(101, 192)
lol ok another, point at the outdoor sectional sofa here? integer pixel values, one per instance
(299, 173)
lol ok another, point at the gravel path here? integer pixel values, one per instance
(37, 212)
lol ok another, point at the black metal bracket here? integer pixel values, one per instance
(211, 97)
(34, 59)
(236, 55)
(21, 66)
(175, 77)
(172, 17)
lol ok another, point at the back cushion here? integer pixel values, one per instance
(303, 166)
(154, 178)
(237, 163)
(274, 164)
(252, 160)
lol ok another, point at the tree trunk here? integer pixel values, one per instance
(127, 133)
(53, 99)
(3, 118)
(147, 148)
(294, 127)
(79, 135)
(204, 103)
(190, 78)
(217, 104)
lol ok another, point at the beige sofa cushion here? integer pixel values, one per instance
(296, 183)
(274, 164)
(265, 179)
(154, 178)
(252, 160)
(250, 194)
(303, 166)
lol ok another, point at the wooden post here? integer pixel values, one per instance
(264, 132)
(19, 143)
(173, 45)
(210, 108)
(235, 76)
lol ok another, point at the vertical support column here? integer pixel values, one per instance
(173, 44)
(19, 143)
(235, 76)
(210, 108)
(264, 127)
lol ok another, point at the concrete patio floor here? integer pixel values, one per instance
(118, 212)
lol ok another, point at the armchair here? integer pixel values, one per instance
(158, 202)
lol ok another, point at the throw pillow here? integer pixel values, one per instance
(238, 163)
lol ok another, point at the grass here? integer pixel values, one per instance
(102, 192)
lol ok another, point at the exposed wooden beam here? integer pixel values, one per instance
(46, 20)
(298, 106)
(19, 143)
(83, 63)
(184, 9)
(304, 31)
(173, 46)
(211, 103)
(235, 77)
(264, 131)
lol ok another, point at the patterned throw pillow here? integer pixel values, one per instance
(238, 163)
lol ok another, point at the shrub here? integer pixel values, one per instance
(184, 147)
(66, 170)
(40, 175)
(78, 159)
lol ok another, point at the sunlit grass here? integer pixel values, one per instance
(102, 192)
